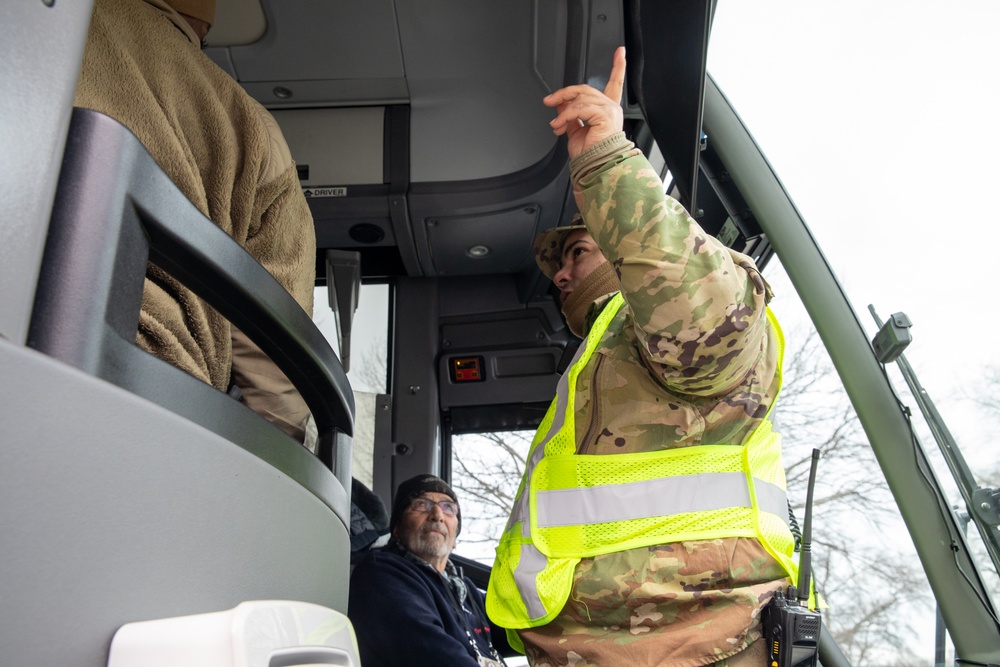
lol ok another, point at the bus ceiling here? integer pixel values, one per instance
(432, 180)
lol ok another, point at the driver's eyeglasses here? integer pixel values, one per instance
(448, 507)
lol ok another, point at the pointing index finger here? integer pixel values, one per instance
(616, 82)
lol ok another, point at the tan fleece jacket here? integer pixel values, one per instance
(143, 66)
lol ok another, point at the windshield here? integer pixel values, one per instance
(878, 119)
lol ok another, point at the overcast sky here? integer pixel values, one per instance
(880, 119)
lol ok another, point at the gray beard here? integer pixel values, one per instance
(427, 546)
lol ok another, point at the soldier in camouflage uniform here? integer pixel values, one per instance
(690, 359)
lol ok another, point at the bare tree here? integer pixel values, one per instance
(865, 566)
(369, 373)
(487, 470)
(988, 400)
(368, 378)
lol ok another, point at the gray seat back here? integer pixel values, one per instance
(41, 43)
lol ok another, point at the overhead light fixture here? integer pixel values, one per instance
(478, 251)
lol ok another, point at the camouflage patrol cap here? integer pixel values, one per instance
(549, 245)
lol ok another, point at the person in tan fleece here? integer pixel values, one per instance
(143, 66)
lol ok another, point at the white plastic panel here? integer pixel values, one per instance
(261, 633)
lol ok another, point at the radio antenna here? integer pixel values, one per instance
(805, 559)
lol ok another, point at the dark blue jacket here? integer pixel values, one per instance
(404, 613)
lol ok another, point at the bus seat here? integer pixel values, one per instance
(369, 521)
(129, 490)
(115, 208)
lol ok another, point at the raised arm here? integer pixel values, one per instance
(698, 307)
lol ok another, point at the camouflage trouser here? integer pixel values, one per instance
(675, 605)
(754, 655)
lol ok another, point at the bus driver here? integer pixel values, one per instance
(410, 605)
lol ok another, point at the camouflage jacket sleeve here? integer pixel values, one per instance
(698, 307)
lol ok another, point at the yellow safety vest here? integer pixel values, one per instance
(571, 506)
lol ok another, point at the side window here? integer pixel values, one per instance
(368, 366)
(486, 469)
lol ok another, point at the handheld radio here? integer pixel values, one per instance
(791, 629)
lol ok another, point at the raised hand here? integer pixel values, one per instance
(585, 114)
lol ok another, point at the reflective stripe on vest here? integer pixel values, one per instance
(572, 506)
(654, 497)
(586, 505)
